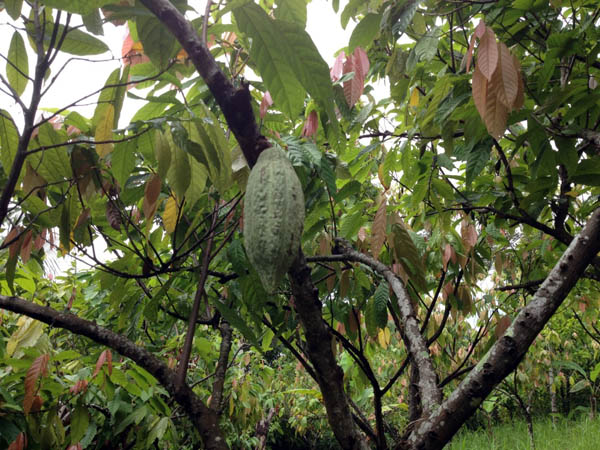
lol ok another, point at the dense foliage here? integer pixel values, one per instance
(447, 226)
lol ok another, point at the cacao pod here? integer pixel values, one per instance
(273, 217)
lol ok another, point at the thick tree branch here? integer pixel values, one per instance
(236, 103)
(435, 431)
(205, 420)
(417, 347)
(329, 375)
(216, 398)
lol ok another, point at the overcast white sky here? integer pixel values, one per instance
(83, 77)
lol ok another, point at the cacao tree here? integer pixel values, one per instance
(443, 224)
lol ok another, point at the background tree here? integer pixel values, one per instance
(445, 225)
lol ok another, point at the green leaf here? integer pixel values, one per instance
(291, 11)
(403, 15)
(365, 32)
(179, 171)
(588, 172)
(237, 258)
(477, 159)
(52, 164)
(13, 8)
(162, 151)
(123, 160)
(371, 317)
(78, 6)
(158, 430)
(64, 228)
(198, 178)
(9, 140)
(76, 42)
(351, 224)
(80, 419)
(271, 55)
(407, 253)
(234, 318)
(107, 96)
(380, 301)
(17, 66)
(212, 150)
(157, 40)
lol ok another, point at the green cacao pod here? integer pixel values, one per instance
(273, 217)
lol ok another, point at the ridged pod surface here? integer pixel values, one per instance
(273, 217)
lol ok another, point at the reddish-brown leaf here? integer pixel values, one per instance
(27, 246)
(480, 87)
(468, 234)
(344, 284)
(508, 76)
(353, 320)
(352, 88)
(101, 360)
(487, 54)
(75, 446)
(479, 31)
(20, 442)
(83, 217)
(448, 255)
(72, 298)
(447, 290)
(518, 103)
(37, 404)
(151, 193)
(496, 113)
(311, 125)
(361, 63)
(32, 181)
(502, 325)
(12, 242)
(38, 368)
(378, 229)
(113, 215)
(324, 245)
(109, 365)
(265, 103)
(338, 67)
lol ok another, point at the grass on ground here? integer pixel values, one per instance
(583, 434)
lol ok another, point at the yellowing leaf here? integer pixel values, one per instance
(104, 131)
(27, 335)
(170, 214)
(383, 337)
(414, 98)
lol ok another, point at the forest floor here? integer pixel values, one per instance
(583, 434)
